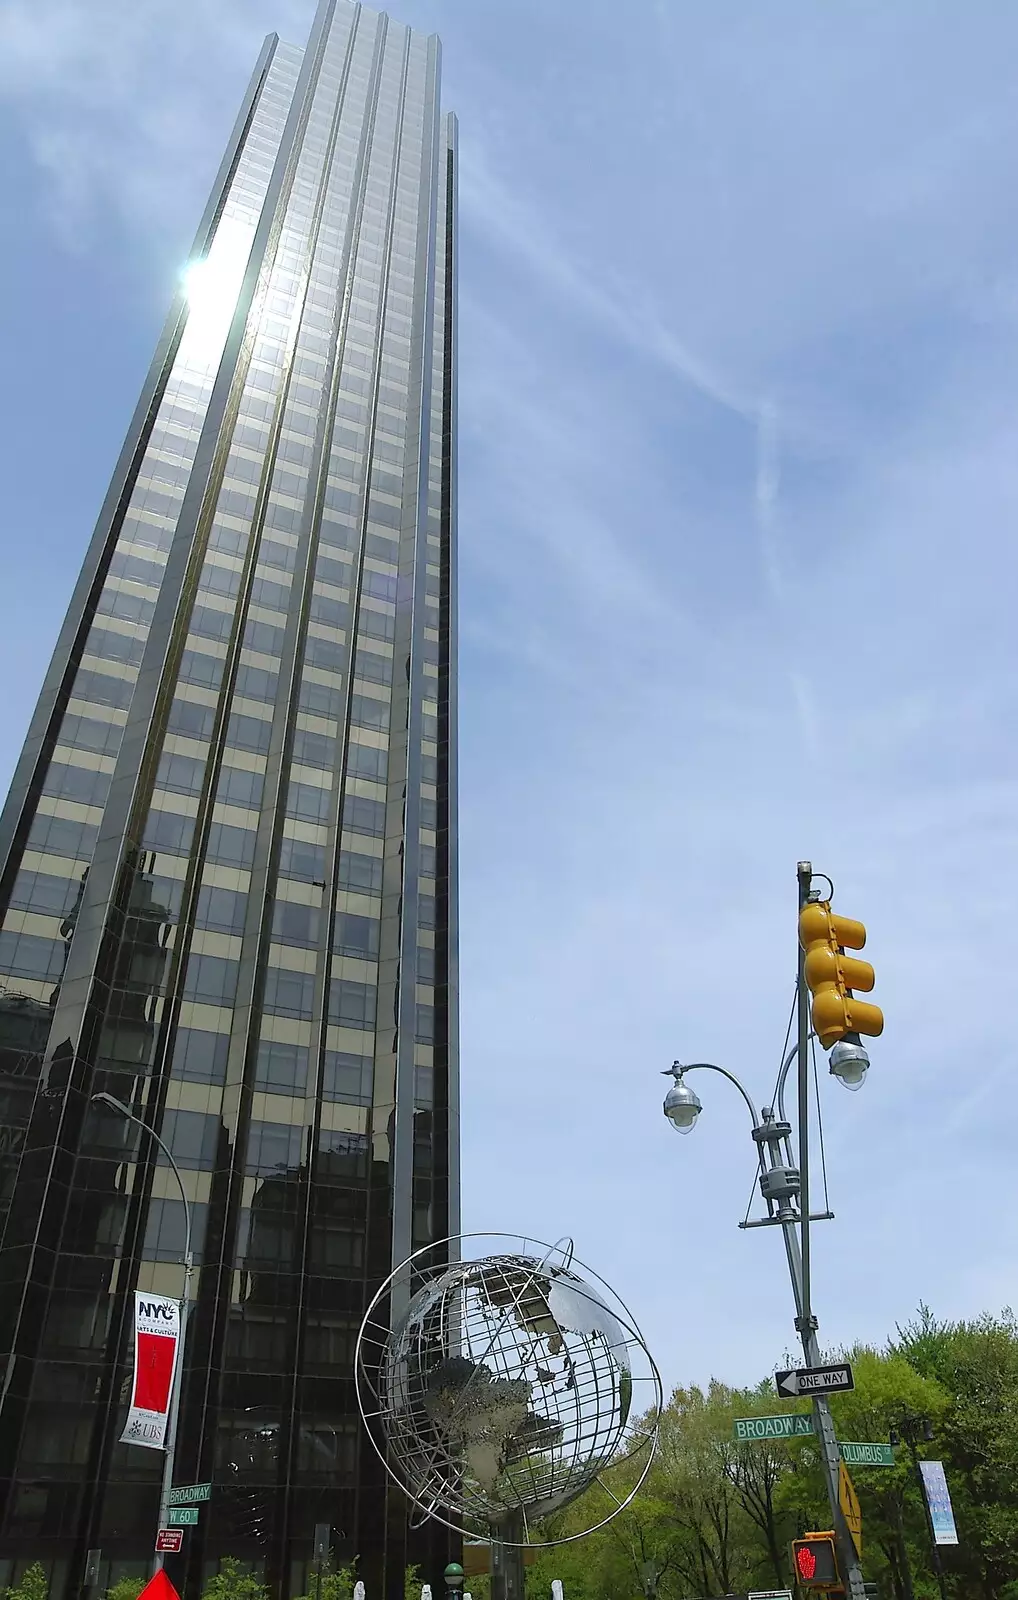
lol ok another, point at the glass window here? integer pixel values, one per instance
(248, 733)
(25, 955)
(274, 1147)
(322, 700)
(343, 1157)
(424, 1031)
(306, 800)
(230, 846)
(196, 667)
(80, 784)
(255, 683)
(368, 713)
(352, 1004)
(365, 761)
(103, 689)
(428, 860)
(222, 910)
(212, 979)
(281, 1068)
(380, 585)
(356, 936)
(289, 994)
(182, 774)
(166, 1230)
(59, 836)
(314, 749)
(360, 872)
(264, 636)
(38, 891)
(333, 613)
(347, 1078)
(298, 859)
(361, 815)
(240, 787)
(376, 624)
(295, 924)
(87, 733)
(193, 1138)
(425, 964)
(166, 831)
(195, 721)
(429, 813)
(373, 668)
(325, 653)
(200, 1056)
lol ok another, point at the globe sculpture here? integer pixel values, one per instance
(497, 1386)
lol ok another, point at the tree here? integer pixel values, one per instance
(234, 1581)
(126, 1589)
(328, 1582)
(32, 1585)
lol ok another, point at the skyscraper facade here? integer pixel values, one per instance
(227, 862)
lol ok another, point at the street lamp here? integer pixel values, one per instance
(784, 1185)
(113, 1104)
(455, 1578)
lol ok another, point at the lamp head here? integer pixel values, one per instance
(103, 1099)
(850, 1063)
(682, 1106)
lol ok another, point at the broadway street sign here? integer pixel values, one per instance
(815, 1380)
(791, 1426)
(190, 1494)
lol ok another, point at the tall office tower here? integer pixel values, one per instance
(228, 859)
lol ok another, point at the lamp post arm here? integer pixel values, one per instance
(710, 1066)
(129, 1116)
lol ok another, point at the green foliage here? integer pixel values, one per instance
(126, 1589)
(412, 1583)
(33, 1585)
(337, 1583)
(717, 1516)
(234, 1581)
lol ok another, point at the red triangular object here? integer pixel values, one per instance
(159, 1588)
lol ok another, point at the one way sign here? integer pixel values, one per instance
(815, 1380)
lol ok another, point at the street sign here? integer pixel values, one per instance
(938, 1498)
(815, 1380)
(850, 1507)
(190, 1494)
(169, 1540)
(867, 1455)
(793, 1425)
(769, 1594)
(182, 1516)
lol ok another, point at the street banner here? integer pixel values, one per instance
(938, 1499)
(156, 1341)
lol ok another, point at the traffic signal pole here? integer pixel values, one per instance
(797, 1249)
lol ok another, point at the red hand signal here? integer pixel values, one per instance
(806, 1561)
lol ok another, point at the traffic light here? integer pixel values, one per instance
(815, 1562)
(832, 976)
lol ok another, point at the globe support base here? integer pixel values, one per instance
(508, 1537)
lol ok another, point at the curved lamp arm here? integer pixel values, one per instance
(118, 1105)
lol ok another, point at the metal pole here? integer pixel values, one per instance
(173, 1411)
(804, 873)
(798, 1252)
(938, 1566)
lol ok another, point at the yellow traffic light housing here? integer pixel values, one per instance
(815, 1561)
(832, 976)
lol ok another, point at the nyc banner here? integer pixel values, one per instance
(156, 1338)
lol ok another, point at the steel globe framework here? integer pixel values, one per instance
(496, 1387)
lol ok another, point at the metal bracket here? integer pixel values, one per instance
(806, 1324)
(779, 1222)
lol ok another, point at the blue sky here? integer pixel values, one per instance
(739, 490)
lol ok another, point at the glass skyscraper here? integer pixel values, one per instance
(228, 890)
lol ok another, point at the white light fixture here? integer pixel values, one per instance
(849, 1064)
(682, 1106)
